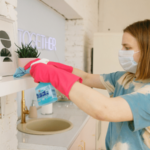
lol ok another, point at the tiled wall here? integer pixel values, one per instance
(8, 131)
(74, 43)
(79, 34)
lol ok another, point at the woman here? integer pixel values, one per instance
(128, 108)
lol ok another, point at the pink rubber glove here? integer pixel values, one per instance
(56, 64)
(60, 79)
(61, 66)
(29, 63)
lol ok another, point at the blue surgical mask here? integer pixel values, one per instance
(127, 61)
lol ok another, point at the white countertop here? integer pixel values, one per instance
(61, 141)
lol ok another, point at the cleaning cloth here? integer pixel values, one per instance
(21, 72)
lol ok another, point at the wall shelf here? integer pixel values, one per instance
(9, 85)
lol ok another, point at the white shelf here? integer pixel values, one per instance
(63, 8)
(9, 85)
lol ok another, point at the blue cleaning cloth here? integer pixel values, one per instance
(21, 72)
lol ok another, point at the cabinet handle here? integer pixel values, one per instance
(80, 146)
(99, 130)
(84, 144)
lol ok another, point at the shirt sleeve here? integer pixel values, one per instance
(109, 81)
(139, 103)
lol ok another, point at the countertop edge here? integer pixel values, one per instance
(24, 146)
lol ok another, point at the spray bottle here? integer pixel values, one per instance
(45, 94)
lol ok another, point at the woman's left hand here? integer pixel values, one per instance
(60, 79)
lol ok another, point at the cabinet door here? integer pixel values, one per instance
(76, 145)
(88, 134)
(86, 138)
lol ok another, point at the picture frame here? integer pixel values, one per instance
(8, 63)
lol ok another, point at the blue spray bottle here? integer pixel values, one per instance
(45, 93)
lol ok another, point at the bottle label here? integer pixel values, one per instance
(54, 93)
(42, 94)
(45, 92)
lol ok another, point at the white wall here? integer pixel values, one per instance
(35, 16)
(115, 15)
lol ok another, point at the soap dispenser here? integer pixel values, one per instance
(33, 110)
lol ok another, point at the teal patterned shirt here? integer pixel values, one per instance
(129, 135)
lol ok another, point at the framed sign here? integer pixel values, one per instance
(8, 63)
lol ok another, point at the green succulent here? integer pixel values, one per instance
(27, 51)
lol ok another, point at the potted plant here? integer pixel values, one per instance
(26, 53)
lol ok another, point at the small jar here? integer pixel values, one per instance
(33, 110)
(47, 109)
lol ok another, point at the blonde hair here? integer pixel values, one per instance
(141, 32)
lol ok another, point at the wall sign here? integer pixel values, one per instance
(40, 41)
(5, 48)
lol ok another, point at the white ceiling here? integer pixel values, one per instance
(63, 8)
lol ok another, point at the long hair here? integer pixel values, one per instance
(141, 32)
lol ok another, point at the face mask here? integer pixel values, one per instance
(127, 61)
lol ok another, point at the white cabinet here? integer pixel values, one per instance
(86, 138)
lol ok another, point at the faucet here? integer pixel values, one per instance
(24, 109)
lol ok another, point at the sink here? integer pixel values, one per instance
(44, 126)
